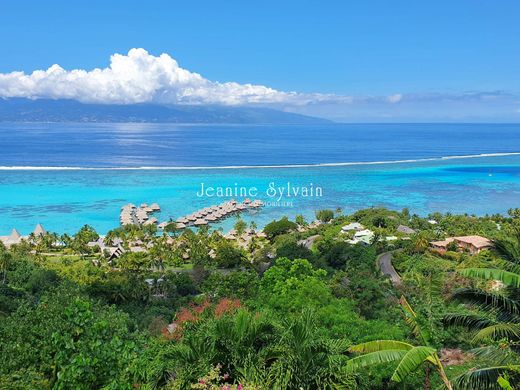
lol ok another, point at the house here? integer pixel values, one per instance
(441, 246)
(353, 226)
(363, 236)
(472, 244)
(405, 229)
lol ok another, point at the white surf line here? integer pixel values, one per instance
(173, 168)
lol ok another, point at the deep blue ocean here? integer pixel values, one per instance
(392, 165)
(134, 145)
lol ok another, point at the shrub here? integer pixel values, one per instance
(279, 227)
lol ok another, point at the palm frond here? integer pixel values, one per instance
(411, 319)
(411, 361)
(508, 265)
(337, 346)
(380, 345)
(506, 277)
(482, 379)
(497, 355)
(509, 249)
(506, 308)
(499, 331)
(468, 321)
(373, 358)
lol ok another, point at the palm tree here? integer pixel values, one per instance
(304, 360)
(509, 248)
(171, 228)
(497, 320)
(409, 356)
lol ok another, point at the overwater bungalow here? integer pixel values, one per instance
(151, 221)
(200, 222)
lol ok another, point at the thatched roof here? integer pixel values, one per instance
(39, 230)
(405, 229)
(14, 235)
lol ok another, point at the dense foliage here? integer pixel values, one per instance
(303, 308)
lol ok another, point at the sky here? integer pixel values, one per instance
(352, 61)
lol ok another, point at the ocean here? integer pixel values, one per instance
(66, 175)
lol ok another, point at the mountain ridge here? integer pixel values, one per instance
(66, 110)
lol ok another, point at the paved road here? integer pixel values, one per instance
(307, 243)
(385, 265)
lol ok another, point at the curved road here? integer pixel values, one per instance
(384, 262)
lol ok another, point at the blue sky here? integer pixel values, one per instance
(431, 53)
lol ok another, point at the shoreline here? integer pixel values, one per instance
(275, 166)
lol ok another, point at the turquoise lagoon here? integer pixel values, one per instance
(64, 200)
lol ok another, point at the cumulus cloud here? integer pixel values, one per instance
(141, 77)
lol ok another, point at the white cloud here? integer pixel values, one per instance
(141, 77)
(394, 98)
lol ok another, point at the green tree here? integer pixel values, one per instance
(300, 220)
(276, 228)
(66, 340)
(240, 226)
(496, 323)
(5, 261)
(228, 255)
(134, 261)
(408, 356)
(171, 229)
(324, 215)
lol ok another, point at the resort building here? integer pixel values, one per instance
(15, 237)
(39, 230)
(365, 236)
(405, 229)
(353, 226)
(471, 244)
